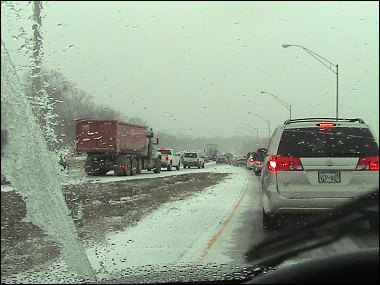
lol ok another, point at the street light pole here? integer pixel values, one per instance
(257, 133)
(288, 106)
(324, 62)
(265, 120)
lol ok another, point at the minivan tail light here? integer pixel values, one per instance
(368, 163)
(251, 160)
(284, 163)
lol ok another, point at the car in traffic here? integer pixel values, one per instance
(193, 159)
(240, 161)
(250, 160)
(170, 158)
(317, 164)
(259, 159)
(222, 159)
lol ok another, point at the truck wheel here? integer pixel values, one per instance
(121, 168)
(94, 166)
(169, 168)
(157, 169)
(133, 166)
(178, 166)
(128, 167)
(139, 165)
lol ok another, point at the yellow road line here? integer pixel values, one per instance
(215, 237)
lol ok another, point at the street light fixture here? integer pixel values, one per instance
(325, 62)
(288, 106)
(265, 120)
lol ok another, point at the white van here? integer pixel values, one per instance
(193, 159)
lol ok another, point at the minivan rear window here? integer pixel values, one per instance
(332, 142)
(191, 154)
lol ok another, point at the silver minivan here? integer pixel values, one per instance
(193, 159)
(313, 165)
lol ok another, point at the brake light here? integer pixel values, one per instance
(162, 148)
(167, 157)
(259, 163)
(326, 125)
(368, 163)
(284, 163)
(251, 160)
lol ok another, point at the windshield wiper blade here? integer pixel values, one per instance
(314, 233)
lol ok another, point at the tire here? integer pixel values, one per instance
(257, 173)
(157, 169)
(133, 167)
(94, 167)
(139, 165)
(178, 166)
(121, 160)
(97, 172)
(269, 221)
(203, 165)
(169, 168)
(128, 167)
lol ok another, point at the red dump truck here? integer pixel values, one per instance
(112, 145)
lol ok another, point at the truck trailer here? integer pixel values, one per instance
(125, 148)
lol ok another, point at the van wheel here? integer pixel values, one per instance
(169, 168)
(178, 166)
(269, 221)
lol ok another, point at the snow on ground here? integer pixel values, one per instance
(78, 176)
(183, 232)
(191, 231)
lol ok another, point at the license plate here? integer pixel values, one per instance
(329, 176)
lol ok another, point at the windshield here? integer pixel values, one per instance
(96, 96)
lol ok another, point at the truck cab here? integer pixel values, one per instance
(169, 158)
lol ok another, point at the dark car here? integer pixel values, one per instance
(259, 160)
(222, 159)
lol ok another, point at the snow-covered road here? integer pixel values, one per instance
(188, 231)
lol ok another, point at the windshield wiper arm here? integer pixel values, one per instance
(315, 233)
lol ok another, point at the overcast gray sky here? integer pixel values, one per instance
(199, 67)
